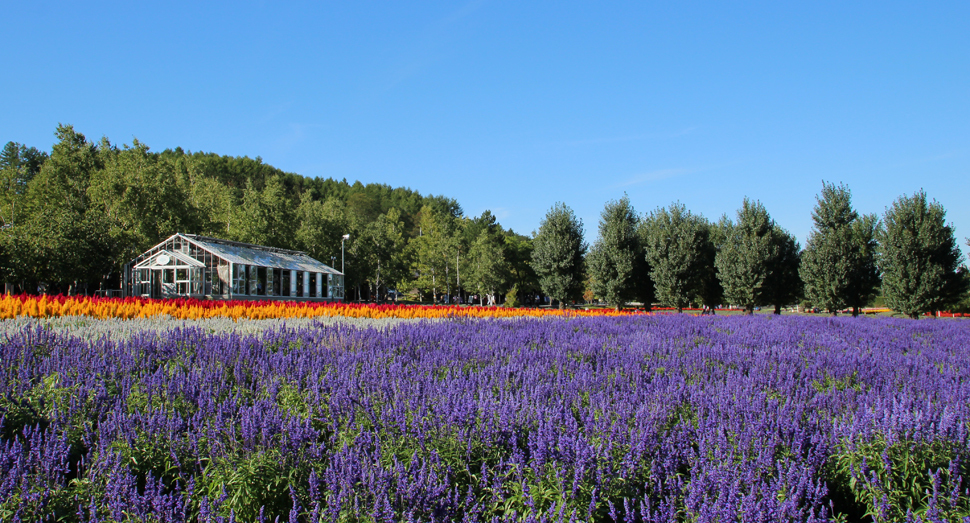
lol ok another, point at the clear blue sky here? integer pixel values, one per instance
(513, 106)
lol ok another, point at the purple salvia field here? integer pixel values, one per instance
(654, 418)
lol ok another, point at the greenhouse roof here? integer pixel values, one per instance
(249, 254)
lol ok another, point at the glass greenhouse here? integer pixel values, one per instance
(190, 266)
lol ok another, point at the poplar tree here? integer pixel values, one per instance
(744, 261)
(558, 252)
(919, 258)
(838, 266)
(678, 250)
(616, 260)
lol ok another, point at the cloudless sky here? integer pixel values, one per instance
(512, 106)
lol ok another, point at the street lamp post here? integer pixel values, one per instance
(342, 240)
(344, 274)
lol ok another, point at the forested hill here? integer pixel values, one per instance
(78, 214)
(371, 200)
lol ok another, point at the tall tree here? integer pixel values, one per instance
(745, 258)
(468, 232)
(18, 165)
(435, 250)
(558, 252)
(518, 255)
(783, 285)
(838, 266)
(67, 239)
(387, 250)
(919, 257)
(711, 292)
(616, 260)
(487, 266)
(678, 251)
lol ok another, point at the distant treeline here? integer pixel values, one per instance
(72, 218)
(676, 258)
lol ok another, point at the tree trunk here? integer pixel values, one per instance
(749, 310)
(778, 309)
(855, 312)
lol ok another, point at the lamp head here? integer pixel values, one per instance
(346, 237)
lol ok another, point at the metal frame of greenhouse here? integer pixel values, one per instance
(191, 266)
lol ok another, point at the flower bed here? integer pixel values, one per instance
(193, 309)
(638, 418)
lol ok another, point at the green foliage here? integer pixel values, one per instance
(885, 481)
(680, 255)
(518, 255)
(486, 264)
(919, 258)
(18, 165)
(838, 266)
(557, 256)
(436, 250)
(382, 248)
(711, 292)
(616, 261)
(140, 200)
(744, 260)
(62, 236)
(783, 286)
(264, 217)
(512, 297)
(261, 480)
(322, 223)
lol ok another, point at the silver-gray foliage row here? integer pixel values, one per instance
(919, 258)
(558, 254)
(839, 264)
(89, 328)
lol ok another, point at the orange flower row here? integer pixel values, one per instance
(193, 309)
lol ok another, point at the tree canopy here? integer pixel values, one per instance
(558, 254)
(616, 260)
(745, 258)
(839, 263)
(919, 257)
(679, 252)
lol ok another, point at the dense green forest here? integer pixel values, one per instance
(72, 218)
